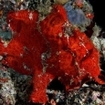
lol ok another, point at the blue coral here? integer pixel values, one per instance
(6, 35)
(75, 16)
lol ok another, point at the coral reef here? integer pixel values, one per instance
(7, 89)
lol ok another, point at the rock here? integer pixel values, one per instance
(61, 1)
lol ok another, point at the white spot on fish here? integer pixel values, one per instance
(26, 67)
(60, 35)
(1, 57)
(30, 16)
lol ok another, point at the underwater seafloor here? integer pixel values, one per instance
(15, 88)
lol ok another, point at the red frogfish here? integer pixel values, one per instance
(48, 49)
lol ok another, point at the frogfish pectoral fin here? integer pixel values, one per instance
(100, 79)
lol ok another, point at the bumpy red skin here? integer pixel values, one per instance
(24, 46)
(72, 59)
